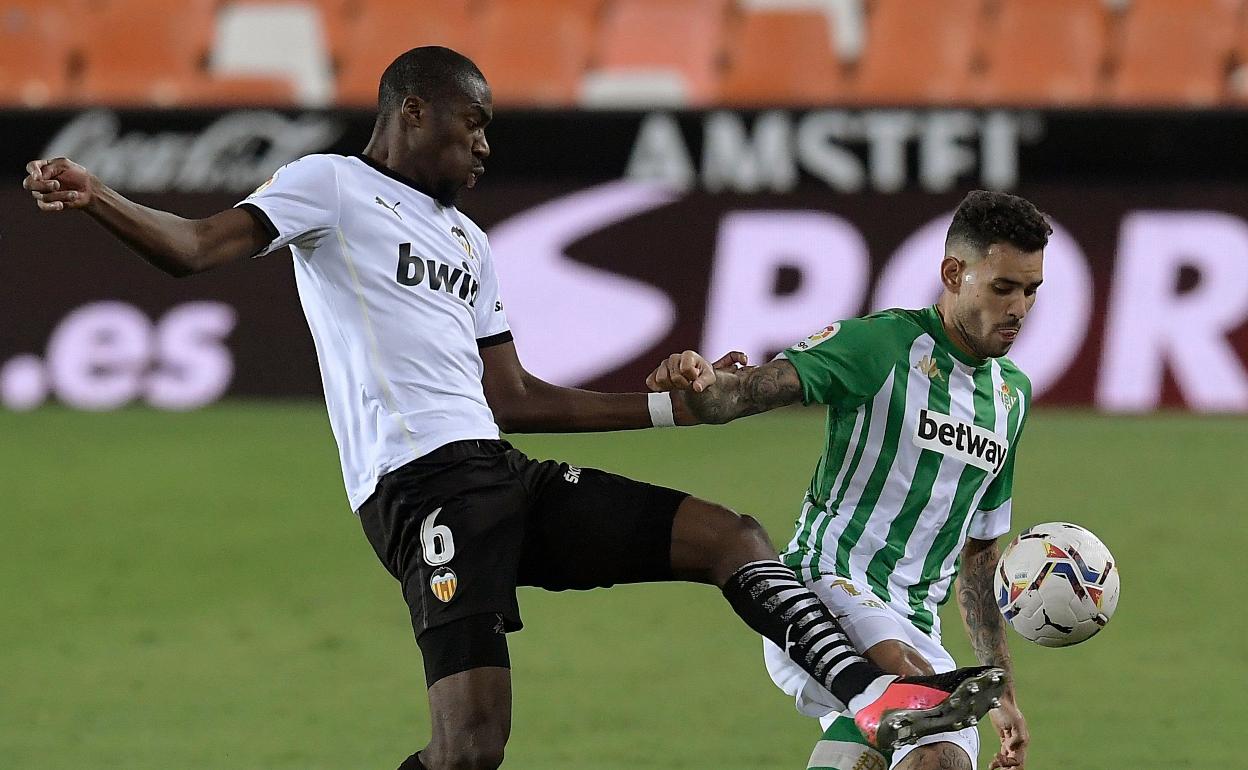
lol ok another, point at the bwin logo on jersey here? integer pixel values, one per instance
(414, 271)
(960, 440)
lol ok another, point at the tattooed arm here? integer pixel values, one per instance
(702, 393)
(986, 628)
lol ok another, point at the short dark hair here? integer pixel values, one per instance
(984, 218)
(430, 72)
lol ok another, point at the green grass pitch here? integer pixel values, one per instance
(190, 591)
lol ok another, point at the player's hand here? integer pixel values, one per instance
(1014, 736)
(690, 371)
(59, 184)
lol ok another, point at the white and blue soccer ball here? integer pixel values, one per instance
(1057, 584)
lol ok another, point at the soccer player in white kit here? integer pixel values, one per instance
(924, 418)
(420, 372)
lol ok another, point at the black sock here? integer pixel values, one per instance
(412, 763)
(771, 600)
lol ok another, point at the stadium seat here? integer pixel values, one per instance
(364, 40)
(1238, 81)
(1175, 52)
(676, 41)
(276, 39)
(1049, 53)
(808, 73)
(533, 52)
(847, 17)
(36, 43)
(137, 52)
(919, 51)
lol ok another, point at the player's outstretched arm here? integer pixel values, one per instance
(176, 245)
(523, 403)
(713, 393)
(986, 628)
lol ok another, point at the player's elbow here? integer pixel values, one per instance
(510, 416)
(179, 270)
(506, 424)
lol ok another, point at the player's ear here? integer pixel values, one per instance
(951, 270)
(413, 110)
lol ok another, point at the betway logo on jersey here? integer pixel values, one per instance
(960, 440)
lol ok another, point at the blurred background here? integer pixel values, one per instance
(183, 583)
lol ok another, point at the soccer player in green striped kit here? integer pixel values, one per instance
(914, 484)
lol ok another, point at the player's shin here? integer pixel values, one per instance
(771, 600)
(842, 747)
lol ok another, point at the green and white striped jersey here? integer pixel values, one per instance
(921, 441)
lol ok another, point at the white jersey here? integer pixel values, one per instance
(399, 292)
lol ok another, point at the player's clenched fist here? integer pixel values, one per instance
(58, 184)
(690, 371)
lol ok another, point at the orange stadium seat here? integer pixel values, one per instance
(807, 71)
(1175, 52)
(1049, 52)
(658, 35)
(919, 51)
(36, 43)
(1238, 81)
(366, 38)
(533, 52)
(138, 53)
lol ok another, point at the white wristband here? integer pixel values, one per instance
(661, 415)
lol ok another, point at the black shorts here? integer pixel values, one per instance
(461, 527)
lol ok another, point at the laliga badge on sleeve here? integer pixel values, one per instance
(826, 333)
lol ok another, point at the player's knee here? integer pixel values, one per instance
(897, 657)
(936, 756)
(745, 530)
(710, 542)
(482, 757)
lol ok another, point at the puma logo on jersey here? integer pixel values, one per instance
(414, 271)
(960, 440)
(393, 209)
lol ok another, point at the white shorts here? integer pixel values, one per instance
(867, 621)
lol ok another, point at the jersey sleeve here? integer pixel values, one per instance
(491, 319)
(299, 204)
(993, 517)
(843, 365)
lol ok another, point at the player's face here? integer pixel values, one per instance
(994, 296)
(454, 140)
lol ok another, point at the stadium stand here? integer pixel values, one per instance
(1175, 52)
(135, 52)
(535, 51)
(365, 38)
(659, 48)
(809, 72)
(1045, 53)
(625, 53)
(919, 52)
(34, 57)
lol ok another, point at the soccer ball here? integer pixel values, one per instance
(1057, 584)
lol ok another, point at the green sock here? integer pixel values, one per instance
(842, 747)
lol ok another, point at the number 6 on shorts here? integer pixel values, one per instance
(436, 543)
